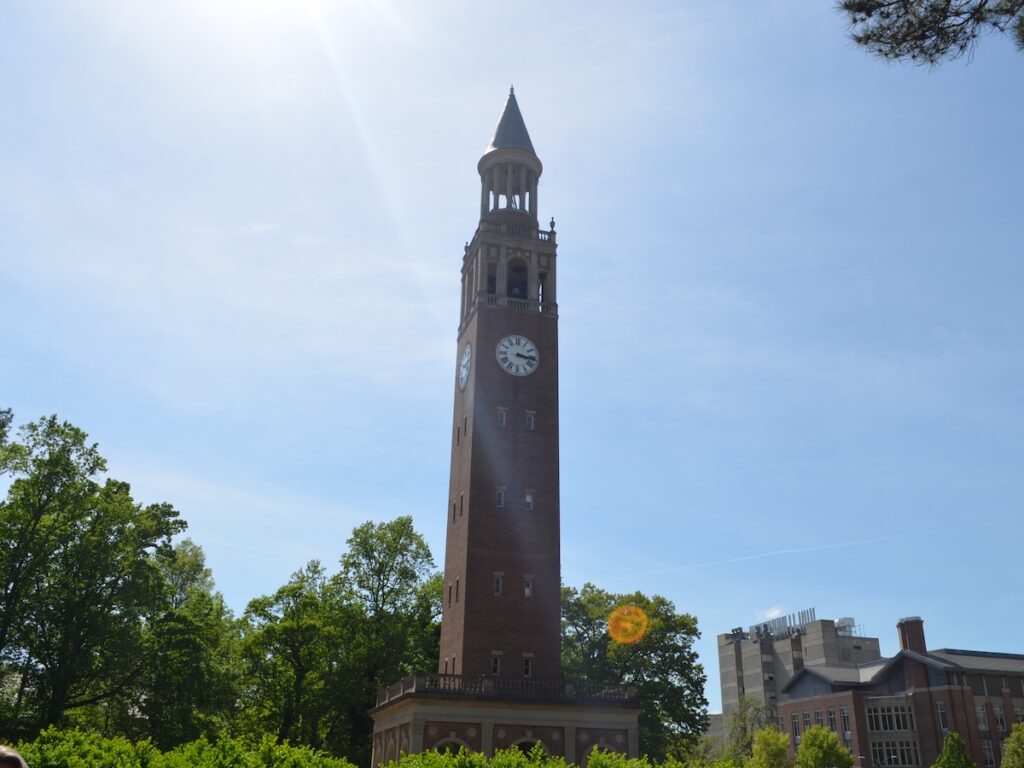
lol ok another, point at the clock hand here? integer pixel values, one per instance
(525, 357)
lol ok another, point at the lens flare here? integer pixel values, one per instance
(627, 624)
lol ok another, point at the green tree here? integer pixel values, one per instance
(189, 684)
(928, 31)
(662, 664)
(954, 753)
(80, 576)
(290, 644)
(1013, 748)
(387, 579)
(749, 718)
(821, 748)
(770, 749)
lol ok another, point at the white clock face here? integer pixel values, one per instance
(517, 355)
(465, 362)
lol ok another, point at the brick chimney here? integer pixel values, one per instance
(911, 631)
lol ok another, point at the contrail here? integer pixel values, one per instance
(775, 553)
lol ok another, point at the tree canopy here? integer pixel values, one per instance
(821, 748)
(929, 31)
(954, 753)
(1013, 748)
(114, 639)
(662, 664)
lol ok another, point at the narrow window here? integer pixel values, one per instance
(449, 594)
(943, 723)
(498, 585)
(979, 711)
(527, 586)
(446, 665)
(456, 590)
(817, 712)
(807, 720)
(1000, 716)
(454, 671)
(457, 432)
(795, 721)
(527, 666)
(844, 715)
(462, 498)
(528, 501)
(503, 417)
(499, 500)
(531, 421)
(495, 663)
(453, 511)
(831, 720)
(465, 425)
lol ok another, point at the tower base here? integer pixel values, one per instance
(568, 718)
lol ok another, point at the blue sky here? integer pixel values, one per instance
(789, 287)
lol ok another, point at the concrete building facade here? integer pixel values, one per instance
(758, 663)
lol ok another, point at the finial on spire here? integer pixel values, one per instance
(511, 90)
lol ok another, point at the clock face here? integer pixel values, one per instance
(517, 355)
(465, 362)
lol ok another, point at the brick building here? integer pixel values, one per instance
(499, 679)
(897, 711)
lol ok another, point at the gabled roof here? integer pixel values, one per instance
(859, 675)
(511, 131)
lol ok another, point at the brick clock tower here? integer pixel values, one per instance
(499, 679)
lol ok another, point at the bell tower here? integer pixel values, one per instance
(498, 682)
(502, 576)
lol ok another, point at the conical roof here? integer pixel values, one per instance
(511, 132)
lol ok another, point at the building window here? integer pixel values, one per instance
(990, 757)
(453, 511)
(454, 671)
(817, 717)
(498, 584)
(499, 498)
(1000, 716)
(449, 594)
(461, 500)
(832, 720)
(807, 720)
(495, 663)
(531, 421)
(456, 590)
(795, 723)
(458, 431)
(943, 722)
(896, 753)
(527, 666)
(844, 715)
(446, 665)
(503, 417)
(528, 586)
(1018, 712)
(528, 501)
(894, 718)
(979, 711)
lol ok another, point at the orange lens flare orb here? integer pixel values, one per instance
(627, 624)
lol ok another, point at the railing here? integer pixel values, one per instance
(520, 305)
(523, 231)
(461, 685)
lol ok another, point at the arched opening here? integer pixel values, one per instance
(450, 746)
(525, 745)
(518, 279)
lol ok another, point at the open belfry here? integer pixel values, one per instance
(499, 681)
